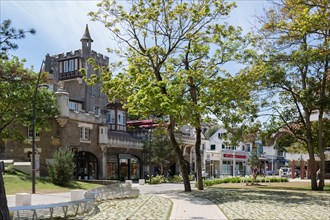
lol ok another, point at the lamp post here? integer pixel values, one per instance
(34, 100)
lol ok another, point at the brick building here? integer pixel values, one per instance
(92, 128)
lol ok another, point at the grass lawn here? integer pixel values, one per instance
(280, 186)
(23, 183)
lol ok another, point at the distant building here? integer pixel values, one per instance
(90, 126)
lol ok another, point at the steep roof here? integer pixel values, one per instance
(86, 35)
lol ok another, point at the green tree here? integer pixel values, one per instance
(174, 52)
(8, 34)
(211, 131)
(62, 168)
(294, 70)
(17, 85)
(162, 154)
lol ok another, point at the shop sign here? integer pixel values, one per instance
(124, 156)
(235, 156)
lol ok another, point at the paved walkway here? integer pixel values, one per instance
(184, 205)
(169, 201)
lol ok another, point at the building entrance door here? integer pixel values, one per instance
(123, 175)
(86, 165)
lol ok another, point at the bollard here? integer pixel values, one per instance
(142, 181)
(129, 181)
(23, 199)
(77, 194)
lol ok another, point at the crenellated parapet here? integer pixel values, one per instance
(81, 115)
(100, 57)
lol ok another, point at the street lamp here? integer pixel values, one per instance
(34, 100)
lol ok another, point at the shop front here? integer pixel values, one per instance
(234, 163)
(86, 165)
(123, 167)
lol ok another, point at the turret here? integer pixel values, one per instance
(62, 98)
(86, 43)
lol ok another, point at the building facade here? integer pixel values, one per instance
(90, 126)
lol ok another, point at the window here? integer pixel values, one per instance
(71, 65)
(212, 146)
(121, 118)
(66, 66)
(223, 146)
(30, 133)
(248, 147)
(219, 135)
(73, 105)
(96, 110)
(110, 117)
(84, 134)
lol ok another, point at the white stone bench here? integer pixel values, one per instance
(47, 210)
(112, 191)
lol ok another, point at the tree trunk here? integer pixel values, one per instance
(4, 211)
(311, 151)
(182, 161)
(321, 145)
(198, 158)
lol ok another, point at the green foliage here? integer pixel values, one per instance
(161, 152)
(211, 131)
(240, 179)
(10, 169)
(158, 179)
(171, 68)
(254, 160)
(8, 34)
(62, 168)
(293, 70)
(17, 86)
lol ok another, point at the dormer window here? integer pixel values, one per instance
(121, 117)
(111, 117)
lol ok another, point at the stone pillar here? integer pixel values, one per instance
(293, 172)
(302, 169)
(104, 163)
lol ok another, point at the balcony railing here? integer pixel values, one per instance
(70, 75)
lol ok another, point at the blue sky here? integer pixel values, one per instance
(60, 24)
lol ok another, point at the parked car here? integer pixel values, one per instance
(286, 172)
(270, 172)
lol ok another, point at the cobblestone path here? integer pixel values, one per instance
(264, 204)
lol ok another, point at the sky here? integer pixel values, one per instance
(60, 24)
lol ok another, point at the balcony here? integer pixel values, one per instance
(70, 75)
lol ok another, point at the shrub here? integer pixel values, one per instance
(175, 179)
(238, 180)
(10, 169)
(62, 168)
(158, 179)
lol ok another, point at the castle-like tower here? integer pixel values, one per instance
(87, 124)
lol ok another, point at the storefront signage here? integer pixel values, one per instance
(124, 156)
(235, 156)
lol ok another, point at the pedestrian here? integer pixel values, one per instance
(318, 174)
(280, 172)
(203, 174)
